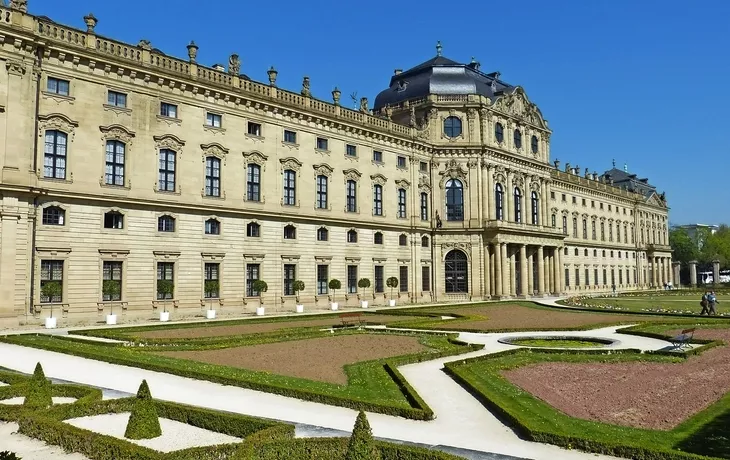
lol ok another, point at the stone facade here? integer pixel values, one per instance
(121, 165)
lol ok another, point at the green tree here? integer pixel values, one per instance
(362, 446)
(298, 287)
(717, 247)
(143, 422)
(39, 395)
(334, 285)
(684, 247)
(392, 283)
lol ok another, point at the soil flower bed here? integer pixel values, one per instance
(321, 359)
(636, 394)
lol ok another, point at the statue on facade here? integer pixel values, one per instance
(412, 122)
(388, 112)
(567, 167)
(19, 5)
(364, 105)
(439, 224)
(234, 64)
(306, 92)
(587, 174)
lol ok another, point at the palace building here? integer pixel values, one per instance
(125, 169)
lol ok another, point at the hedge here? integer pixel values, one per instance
(143, 422)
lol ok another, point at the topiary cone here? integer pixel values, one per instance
(362, 446)
(143, 422)
(39, 394)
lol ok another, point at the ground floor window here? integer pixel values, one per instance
(588, 279)
(567, 277)
(165, 280)
(352, 279)
(595, 276)
(51, 281)
(577, 276)
(252, 274)
(112, 281)
(620, 277)
(456, 272)
(289, 275)
(604, 277)
(322, 278)
(212, 281)
(403, 281)
(379, 279)
(426, 279)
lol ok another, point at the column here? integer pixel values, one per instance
(555, 277)
(506, 287)
(561, 271)
(675, 278)
(715, 272)
(512, 272)
(655, 271)
(490, 214)
(8, 260)
(523, 270)
(544, 204)
(667, 270)
(693, 273)
(508, 197)
(485, 192)
(531, 288)
(487, 272)
(498, 269)
(540, 271)
(492, 270)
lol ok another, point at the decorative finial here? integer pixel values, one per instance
(19, 5)
(192, 51)
(234, 64)
(272, 72)
(91, 22)
(336, 93)
(626, 167)
(439, 48)
(614, 162)
(364, 105)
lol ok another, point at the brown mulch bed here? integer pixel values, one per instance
(642, 395)
(255, 328)
(501, 317)
(319, 359)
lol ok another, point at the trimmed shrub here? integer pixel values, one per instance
(362, 446)
(39, 394)
(7, 455)
(143, 422)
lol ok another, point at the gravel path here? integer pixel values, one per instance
(19, 400)
(641, 394)
(321, 359)
(175, 435)
(29, 448)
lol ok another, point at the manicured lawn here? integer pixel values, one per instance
(555, 343)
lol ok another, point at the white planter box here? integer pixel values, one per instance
(260, 311)
(51, 323)
(391, 302)
(164, 316)
(334, 306)
(210, 314)
(300, 308)
(111, 319)
(364, 303)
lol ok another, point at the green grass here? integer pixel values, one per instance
(555, 343)
(370, 385)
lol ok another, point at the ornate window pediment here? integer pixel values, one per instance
(352, 174)
(402, 183)
(323, 170)
(290, 163)
(518, 181)
(454, 170)
(255, 157)
(117, 132)
(58, 122)
(214, 149)
(424, 184)
(517, 105)
(169, 141)
(379, 179)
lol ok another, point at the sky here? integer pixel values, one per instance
(641, 82)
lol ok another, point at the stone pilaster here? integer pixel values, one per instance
(498, 276)
(675, 272)
(693, 273)
(715, 271)
(523, 271)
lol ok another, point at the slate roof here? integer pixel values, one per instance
(440, 75)
(630, 182)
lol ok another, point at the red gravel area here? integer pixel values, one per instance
(501, 317)
(254, 328)
(319, 359)
(643, 395)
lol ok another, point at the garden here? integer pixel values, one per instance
(685, 302)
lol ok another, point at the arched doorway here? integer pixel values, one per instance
(456, 272)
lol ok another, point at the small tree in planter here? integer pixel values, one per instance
(165, 288)
(361, 445)
(363, 283)
(111, 289)
(334, 285)
(212, 291)
(392, 283)
(51, 290)
(260, 286)
(298, 287)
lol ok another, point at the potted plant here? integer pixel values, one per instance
(165, 288)
(334, 285)
(260, 286)
(111, 289)
(51, 289)
(211, 288)
(299, 287)
(363, 283)
(392, 283)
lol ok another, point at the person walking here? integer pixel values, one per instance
(705, 303)
(712, 300)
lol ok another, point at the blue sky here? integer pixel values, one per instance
(644, 82)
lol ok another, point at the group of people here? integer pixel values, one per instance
(708, 302)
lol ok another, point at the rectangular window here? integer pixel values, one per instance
(610, 231)
(211, 289)
(165, 273)
(51, 281)
(377, 156)
(577, 276)
(401, 162)
(58, 86)
(114, 174)
(575, 227)
(426, 279)
(595, 277)
(553, 219)
(321, 192)
(112, 281)
(587, 279)
(213, 120)
(289, 276)
(252, 274)
(583, 201)
(322, 143)
(290, 179)
(290, 137)
(352, 279)
(603, 231)
(351, 150)
(351, 196)
(254, 129)
(585, 229)
(574, 200)
(166, 171)
(620, 277)
(424, 206)
(600, 205)
(423, 167)
(377, 200)
(403, 279)
(253, 182)
(609, 207)
(593, 204)
(593, 229)
(565, 225)
(322, 279)
(379, 279)
(567, 277)
(54, 155)
(116, 99)
(213, 177)
(168, 110)
(402, 203)
(563, 197)
(114, 220)
(605, 280)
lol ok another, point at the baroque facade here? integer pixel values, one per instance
(125, 169)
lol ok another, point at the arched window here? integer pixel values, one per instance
(518, 139)
(452, 126)
(166, 172)
(321, 192)
(518, 205)
(351, 236)
(454, 200)
(253, 230)
(403, 240)
(53, 215)
(54, 163)
(456, 272)
(499, 132)
(212, 227)
(290, 232)
(424, 206)
(323, 234)
(377, 200)
(499, 201)
(114, 174)
(424, 242)
(554, 222)
(378, 238)
(165, 224)
(290, 187)
(534, 144)
(401, 203)
(535, 206)
(351, 196)
(253, 182)
(212, 176)
(114, 219)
